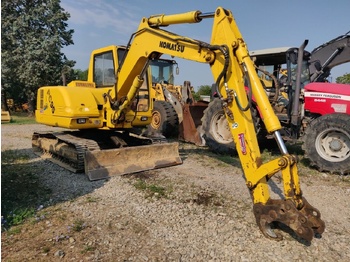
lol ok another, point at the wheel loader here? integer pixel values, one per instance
(310, 110)
(107, 106)
(175, 112)
(167, 108)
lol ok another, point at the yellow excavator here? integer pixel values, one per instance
(107, 106)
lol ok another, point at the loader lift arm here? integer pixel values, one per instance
(328, 55)
(230, 63)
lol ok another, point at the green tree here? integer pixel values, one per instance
(344, 79)
(81, 75)
(203, 90)
(33, 34)
(75, 74)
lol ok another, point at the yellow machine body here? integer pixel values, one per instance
(81, 104)
(84, 106)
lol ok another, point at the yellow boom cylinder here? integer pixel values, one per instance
(270, 119)
(165, 20)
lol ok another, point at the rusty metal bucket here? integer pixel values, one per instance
(192, 116)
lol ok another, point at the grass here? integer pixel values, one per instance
(88, 249)
(152, 190)
(78, 225)
(13, 157)
(91, 199)
(21, 190)
(46, 249)
(20, 118)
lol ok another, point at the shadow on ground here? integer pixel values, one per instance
(29, 183)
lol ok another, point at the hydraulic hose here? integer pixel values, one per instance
(224, 50)
(250, 93)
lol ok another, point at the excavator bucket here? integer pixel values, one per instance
(100, 164)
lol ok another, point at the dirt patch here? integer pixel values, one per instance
(198, 211)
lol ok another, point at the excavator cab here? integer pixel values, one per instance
(163, 71)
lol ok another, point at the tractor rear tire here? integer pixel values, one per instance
(215, 130)
(164, 120)
(327, 143)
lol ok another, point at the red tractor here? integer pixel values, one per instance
(309, 108)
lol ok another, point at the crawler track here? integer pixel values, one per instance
(64, 148)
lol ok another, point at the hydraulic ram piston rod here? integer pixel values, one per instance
(189, 17)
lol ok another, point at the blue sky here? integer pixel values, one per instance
(263, 24)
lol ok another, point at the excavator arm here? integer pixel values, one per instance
(228, 57)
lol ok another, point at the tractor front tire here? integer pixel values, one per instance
(215, 129)
(327, 143)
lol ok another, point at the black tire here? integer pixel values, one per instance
(260, 128)
(164, 120)
(215, 130)
(327, 143)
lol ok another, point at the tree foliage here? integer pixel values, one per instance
(344, 79)
(203, 90)
(81, 75)
(33, 34)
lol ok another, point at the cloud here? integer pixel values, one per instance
(117, 17)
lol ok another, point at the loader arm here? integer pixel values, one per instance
(328, 55)
(230, 63)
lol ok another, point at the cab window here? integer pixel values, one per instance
(104, 72)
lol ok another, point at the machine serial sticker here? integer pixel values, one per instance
(242, 143)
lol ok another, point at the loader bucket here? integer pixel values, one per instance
(192, 115)
(101, 164)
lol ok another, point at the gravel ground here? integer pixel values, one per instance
(203, 214)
